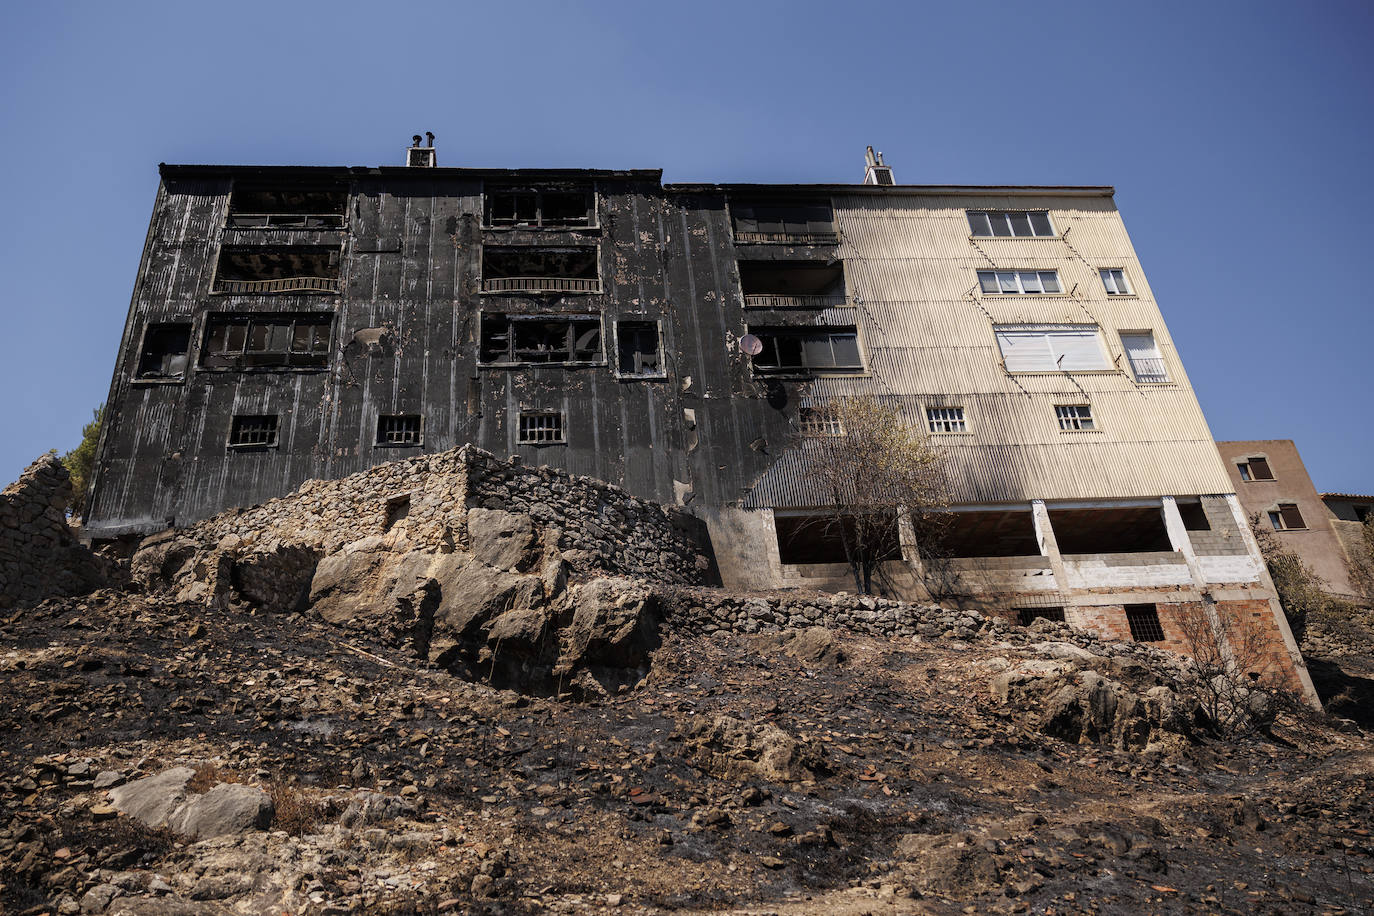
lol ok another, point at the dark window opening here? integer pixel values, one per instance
(164, 353)
(253, 431)
(800, 350)
(792, 284)
(637, 342)
(804, 539)
(538, 427)
(540, 339)
(803, 221)
(1124, 530)
(534, 208)
(1361, 513)
(266, 342)
(1194, 516)
(1255, 469)
(277, 207)
(1025, 616)
(1143, 620)
(398, 429)
(536, 270)
(262, 269)
(997, 533)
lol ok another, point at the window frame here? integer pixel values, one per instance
(1102, 273)
(657, 324)
(539, 192)
(215, 320)
(932, 421)
(534, 413)
(139, 376)
(1246, 469)
(1143, 630)
(767, 333)
(1145, 378)
(1020, 277)
(819, 422)
(1007, 216)
(379, 442)
(510, 360)
(1081, 413)
(758, 236)
(1279, 520)
(1049, 331)
(235, 430)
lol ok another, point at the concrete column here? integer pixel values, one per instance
(1179, 540)
(1049, 547)
(911, 553)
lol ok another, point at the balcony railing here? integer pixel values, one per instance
(285, 221)
(282, 285)
(541, 285)
(789, 238)
(1149, 370)
(771, 301)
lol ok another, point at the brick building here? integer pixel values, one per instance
(291, 323)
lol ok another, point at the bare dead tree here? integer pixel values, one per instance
(1237, 680)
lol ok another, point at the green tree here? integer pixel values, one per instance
(80, 461)
(1299, 589)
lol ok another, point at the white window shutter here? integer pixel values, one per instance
(1025, 351)
(1077, 350)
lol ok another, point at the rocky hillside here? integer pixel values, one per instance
(503, 723)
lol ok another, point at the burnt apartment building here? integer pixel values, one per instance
(293, 323)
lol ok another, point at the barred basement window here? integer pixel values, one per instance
(1016, 282)
(1144, 622)
(946, 420)
(253, 431)
(1005, 223)
(819, 421)
(398, 429)
(538, 427)
(1286, 517)
(1025, 616)
(1074, 416)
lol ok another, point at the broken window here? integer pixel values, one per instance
(791, 284)
(1126, 529)
(1143, 620)
(538, 427)
(538, 270)
(398, 429)
(1286, 517)
(804, 539)
(267, 341)
(253, 431)
(540, 339)
(264, 269)
(784, 221)
(637, 342)
(808, 349)
(991, 533)
(529, 208)
(262, 206)
(1025, 616)
(1255, 468)
(164, 353)
(819, 421)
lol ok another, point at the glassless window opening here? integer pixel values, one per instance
(1074, 416)
(540, 339)
(819, 421)
(540, 208)
(540, 426)
(1010, 223)
(536, 270)
(946, 420)
(808, 350)
(1017, 282)
(1025, 616)
(281, 207)
(637, 342)
(760, 221)
(398, 429)
(1051, 348)
(266, 342)
(1115, 282)
(253, 431)
(1146, 364)
(263, 270)
(165, 350)
(792, 284)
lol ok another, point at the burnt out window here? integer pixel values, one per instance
(253, 431)
(792, 284)
(532, 269)
(1025, 616)
(784, 221)
(399, 429)
(535, 208)
(164, 353)
(1143, 620)
(280, 206)
(637, 343)
(807, 349)
(276, 341)
(540, 339)
(541, 427)
(256, 270)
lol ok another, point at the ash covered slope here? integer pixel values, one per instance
(264, 728)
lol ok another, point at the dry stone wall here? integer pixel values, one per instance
(39, 555)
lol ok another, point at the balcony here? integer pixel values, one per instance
(540, 270)
(282, 285)
(784, 223)
(792, 284)
(285, 221)
(540, 285)
(270, 270)
(287, 207)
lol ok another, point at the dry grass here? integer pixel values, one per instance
(209, 775)
(296, 813)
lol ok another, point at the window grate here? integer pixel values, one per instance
(946, 420)
(538, 427)
(1025, 616)
(253, 431)
(1144, 622)
(1074, 416)
(398, 429)
(819, 421)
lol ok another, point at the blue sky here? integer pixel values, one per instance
(1238, 137)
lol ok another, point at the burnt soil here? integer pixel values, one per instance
(525, 805)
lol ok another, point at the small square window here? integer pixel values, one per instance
(1114, 279)
(1074, 416)
(1025, 616)
(1286, 517)
(539, 427)
(946, 420)
(253, 431)
(819, 421)
(637, 342)
(164, 352)
(1143, 620)
(399, 429)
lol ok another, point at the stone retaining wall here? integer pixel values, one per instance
(39, 555)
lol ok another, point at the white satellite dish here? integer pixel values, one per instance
(751, 345)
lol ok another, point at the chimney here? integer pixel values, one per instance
(877, 171)
(421, 157)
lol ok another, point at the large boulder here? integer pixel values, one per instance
(728, 747)
(165, 800)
